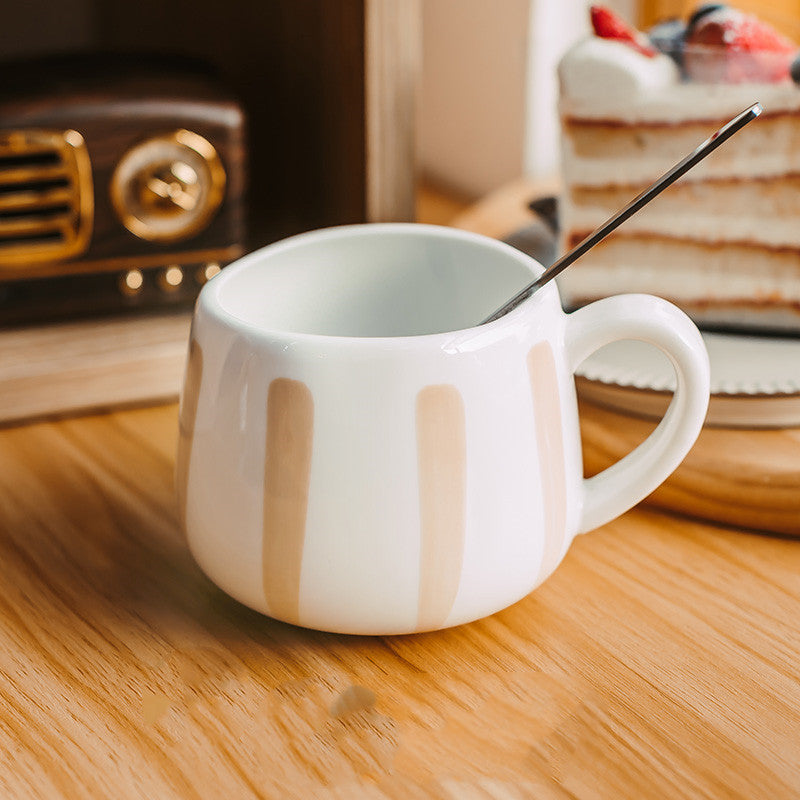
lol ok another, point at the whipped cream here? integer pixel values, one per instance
(607, 79)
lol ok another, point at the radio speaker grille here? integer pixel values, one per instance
(46, 199)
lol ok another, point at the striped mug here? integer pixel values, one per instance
(357, 455)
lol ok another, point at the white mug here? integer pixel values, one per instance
(358, 455)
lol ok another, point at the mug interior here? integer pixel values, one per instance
(374, 281)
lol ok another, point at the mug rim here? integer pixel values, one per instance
(209, 301)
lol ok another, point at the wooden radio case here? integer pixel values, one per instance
(121, 185)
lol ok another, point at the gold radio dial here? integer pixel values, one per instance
(167, 188)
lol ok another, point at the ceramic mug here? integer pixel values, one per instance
(358, 455)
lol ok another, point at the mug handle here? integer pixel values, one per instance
(653, 320)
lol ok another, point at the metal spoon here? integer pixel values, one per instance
(668, 178)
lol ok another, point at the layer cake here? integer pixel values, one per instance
(724, 242)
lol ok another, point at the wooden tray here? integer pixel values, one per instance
(748, 478)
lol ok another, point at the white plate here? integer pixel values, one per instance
(755, 380)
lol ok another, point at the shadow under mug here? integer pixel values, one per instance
(356, 456)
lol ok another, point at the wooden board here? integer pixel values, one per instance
(744, 478)
(661, 660)
(85, 366)
(749, 478)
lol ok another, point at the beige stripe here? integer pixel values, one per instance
(287, 473)
(550, 446)
(191, 393)
(442, 459)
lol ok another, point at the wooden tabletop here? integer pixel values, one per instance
(661, 660)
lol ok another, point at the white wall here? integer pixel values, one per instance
(471, 106)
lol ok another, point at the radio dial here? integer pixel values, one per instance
(167, 188)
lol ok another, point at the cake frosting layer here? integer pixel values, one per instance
(691, 274)
(602, 79)
(763, 211)
(724, 242)
(610, 153)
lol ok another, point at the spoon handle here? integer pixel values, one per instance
(638, 202)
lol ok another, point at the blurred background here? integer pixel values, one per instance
(300, 114)
(488, 86)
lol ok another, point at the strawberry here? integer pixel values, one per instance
(736, 30)
(607, 25)
(729, 46)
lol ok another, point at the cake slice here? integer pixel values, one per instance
(724, 242)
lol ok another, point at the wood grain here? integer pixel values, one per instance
(91, 365)
(661, 660)
(742, 478)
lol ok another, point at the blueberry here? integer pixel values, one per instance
(794, 69)
(702, 11)
(668, 38)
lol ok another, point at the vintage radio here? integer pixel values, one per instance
(121, 185)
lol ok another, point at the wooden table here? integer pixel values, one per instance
(661, 660)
